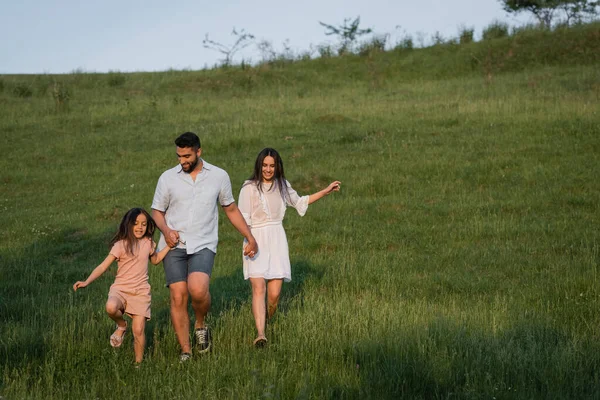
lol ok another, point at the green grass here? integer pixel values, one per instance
(460, 259)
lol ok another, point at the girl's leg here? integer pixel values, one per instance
(139, 336)
(273, 292)
(115, 309)
(258, 304)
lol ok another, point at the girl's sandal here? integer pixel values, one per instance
(116, 340)
(260, 342)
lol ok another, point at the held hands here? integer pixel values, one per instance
(79, 284)
(251, 248)
(172, 238)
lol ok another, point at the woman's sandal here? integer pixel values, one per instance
(117, 340)
(260, 342)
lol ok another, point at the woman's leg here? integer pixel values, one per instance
(139, 336)
(273, 292)
(258, 304)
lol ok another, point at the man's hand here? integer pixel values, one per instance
(237, 220)
(172, 238)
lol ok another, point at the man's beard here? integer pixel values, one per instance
(191, 167)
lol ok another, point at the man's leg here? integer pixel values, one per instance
(198, 286)
(176, 271)
(179, 314)
(199, 270)
(273, 292)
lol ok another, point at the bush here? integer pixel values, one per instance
(437, 39)
(406, 43)
(116, 79)
(495, 30)
(41, 84)
(525, 29)
(465, 35)
(376, 44)
(325, 51)
(22, 89)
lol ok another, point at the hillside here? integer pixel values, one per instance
(460, 260)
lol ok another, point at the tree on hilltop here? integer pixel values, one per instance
(545, 10)
(575, 11)
(243, 40)
(348, 32)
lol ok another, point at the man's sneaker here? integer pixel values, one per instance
(203, 339)
(185, 357)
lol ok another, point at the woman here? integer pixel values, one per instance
(263, 200)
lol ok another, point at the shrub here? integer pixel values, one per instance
(406, 43)
(41, 84)
(116, 79)
(305, 55)
(325, 51)
(495, 30)
(465, 35)
(376, 44)
(266, 50)
(525, 29)
(22, 89)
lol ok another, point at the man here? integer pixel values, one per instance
(185, 210)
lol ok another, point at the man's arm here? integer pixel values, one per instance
(171, 236)
(237, 220)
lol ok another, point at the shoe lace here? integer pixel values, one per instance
(201, 335)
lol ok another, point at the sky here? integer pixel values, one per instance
(62, 36)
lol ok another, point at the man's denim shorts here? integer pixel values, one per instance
(179, 265)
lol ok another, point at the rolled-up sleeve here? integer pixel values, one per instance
(225, 193)
(300, 203)
(160, 201)
(245, 203)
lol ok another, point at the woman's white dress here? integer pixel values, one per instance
(264, 214)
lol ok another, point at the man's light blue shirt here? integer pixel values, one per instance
(191, 206)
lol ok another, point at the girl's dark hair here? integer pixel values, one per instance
(279, 181)
(125, 231)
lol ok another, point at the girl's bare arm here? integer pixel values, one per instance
(157, 257)
(97, 272)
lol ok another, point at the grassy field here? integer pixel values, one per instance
(460, 259)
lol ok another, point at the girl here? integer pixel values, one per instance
(132, 245)
(263, 200)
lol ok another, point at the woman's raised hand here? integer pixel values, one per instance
(333, 187)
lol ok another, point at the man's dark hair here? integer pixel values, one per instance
(188, 139)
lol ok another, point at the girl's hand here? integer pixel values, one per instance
(333, 187)
(79, 284)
